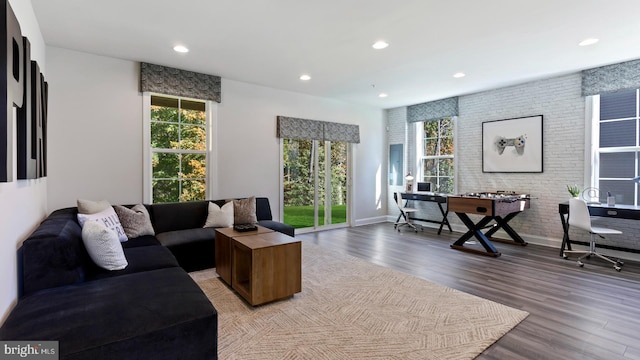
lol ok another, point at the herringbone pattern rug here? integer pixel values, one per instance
(352, 309)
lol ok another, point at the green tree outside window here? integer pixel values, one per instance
(178, 143)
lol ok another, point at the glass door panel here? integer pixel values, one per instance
(298, 183)
(322, 182)
(338, 183)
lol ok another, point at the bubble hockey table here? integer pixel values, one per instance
(500, 207)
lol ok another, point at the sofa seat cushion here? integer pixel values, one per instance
(160, 314)
(278, 226)
(145, 240)
(194, 248)
(181, 237)
(142, 258)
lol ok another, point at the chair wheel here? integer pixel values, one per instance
(620, 263)
(580, 263)
(564, 256)
(618, 268)
(588, 256)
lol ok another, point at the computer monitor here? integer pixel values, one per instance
(424, 186)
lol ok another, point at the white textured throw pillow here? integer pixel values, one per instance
(220, 216)
(103, 246)
(107, 217)
(92, 207)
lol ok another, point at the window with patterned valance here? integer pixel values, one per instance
(610, 78)
(435, 122)
(433, 110)
(170, 81)
(305, 129)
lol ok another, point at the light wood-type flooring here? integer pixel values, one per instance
(575, 313)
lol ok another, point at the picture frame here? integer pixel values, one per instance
(513, 145)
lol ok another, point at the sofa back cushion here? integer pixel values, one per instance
(193, 214)
(178, 216)
(263, 209)
(54, 257)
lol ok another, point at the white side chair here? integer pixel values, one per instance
(579, 218)
(405, 213)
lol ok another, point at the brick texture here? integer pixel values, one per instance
(560, 102)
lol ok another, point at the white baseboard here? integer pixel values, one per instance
(368, 221)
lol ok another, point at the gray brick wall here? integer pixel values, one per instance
(559, 100)
(562, 106)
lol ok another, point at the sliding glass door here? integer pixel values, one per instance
(315, 183)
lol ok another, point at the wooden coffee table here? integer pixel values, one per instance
(264, 265)
(223, 241)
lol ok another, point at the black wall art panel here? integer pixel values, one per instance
(24, 90)
(12, 87)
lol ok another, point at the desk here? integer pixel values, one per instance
(618, 211)
(495, 207)
(429, 197)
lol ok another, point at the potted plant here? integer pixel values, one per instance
(574, 190)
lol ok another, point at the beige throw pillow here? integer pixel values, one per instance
(92, 207)
(103, 246)
(135, 221)
(244, 211)
(220, 216)
(107, 217)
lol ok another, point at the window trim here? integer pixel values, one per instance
(419, 151)
(210, 152)
(592, 143)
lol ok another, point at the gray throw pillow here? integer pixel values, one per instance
(244, 211)
(135, 221)
(103, 246)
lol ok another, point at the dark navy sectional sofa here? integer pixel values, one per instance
(152, 309)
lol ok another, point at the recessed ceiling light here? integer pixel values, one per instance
(180, 49)
(587, 42)
(382, 95)
(459, 75)
(305, 77)
(378, 45)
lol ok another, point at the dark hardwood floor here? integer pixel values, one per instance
(575, 313)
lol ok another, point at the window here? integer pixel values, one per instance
(616, 145)
(436, 154)
(177, 149)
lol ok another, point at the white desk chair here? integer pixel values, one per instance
(579, 218)
(405, 213)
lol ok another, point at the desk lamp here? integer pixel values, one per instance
(409, 179)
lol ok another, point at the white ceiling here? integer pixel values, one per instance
(272, 42)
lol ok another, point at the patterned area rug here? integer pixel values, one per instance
(352, 309)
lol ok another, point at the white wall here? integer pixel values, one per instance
(22, 203)
(95, 129)
(95, 114)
